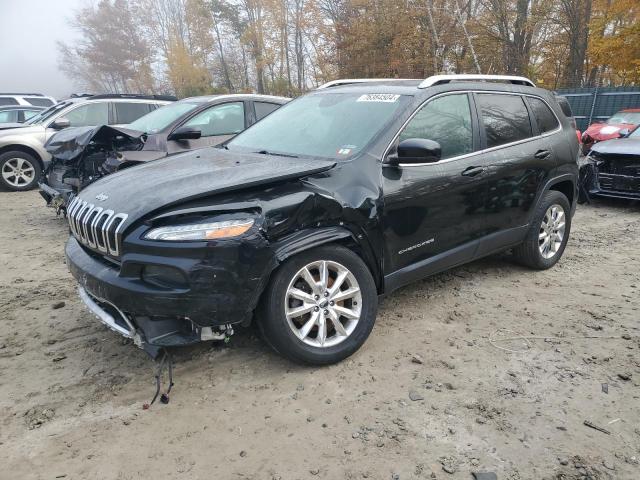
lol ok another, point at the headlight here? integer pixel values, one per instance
(200, 231)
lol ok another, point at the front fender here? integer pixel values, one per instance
(303, 240)
(22, 142)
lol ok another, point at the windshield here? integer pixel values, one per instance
(328, 125)
(635, 133)
(162, 117)
(46, 114)
(625, 117)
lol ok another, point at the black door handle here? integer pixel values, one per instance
(542, 154)
(472, 171)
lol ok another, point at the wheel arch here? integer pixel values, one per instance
(22, 148)
(567, 184)
(566, 187)
(307, 239)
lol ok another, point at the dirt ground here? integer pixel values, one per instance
(438, 391)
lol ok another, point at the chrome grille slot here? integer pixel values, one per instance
(95, 227)
(88, 226)
(101, 222)
(112, 230)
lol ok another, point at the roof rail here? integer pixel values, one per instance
(349, 81)
(441, 79)
(169, 98)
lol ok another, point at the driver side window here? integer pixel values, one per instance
(446, 120)
(225, 119)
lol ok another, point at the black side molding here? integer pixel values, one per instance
(457, 256)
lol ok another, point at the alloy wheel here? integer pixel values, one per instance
(552, 231)
(18, 172)
(323, 303)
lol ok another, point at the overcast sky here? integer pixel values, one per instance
(29, 30)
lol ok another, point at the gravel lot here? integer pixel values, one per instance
(438, 391)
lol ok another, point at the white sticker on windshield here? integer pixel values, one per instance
(379, 97)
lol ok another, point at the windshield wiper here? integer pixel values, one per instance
(266, 152)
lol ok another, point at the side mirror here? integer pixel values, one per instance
(185, 133)
(417, 150)
(624, 133)
(60, 123)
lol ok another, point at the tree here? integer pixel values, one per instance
(111, 55)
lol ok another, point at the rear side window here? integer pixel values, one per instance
(90, 114)
(446, 120)
(225, 119)
(565, 106)
(8, 101)
(130, 112)
(547, 121)
(263, 109)
(39, 101)
(30, 113)
(505, 118)
(9, 116)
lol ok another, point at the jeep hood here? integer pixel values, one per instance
(146, 188)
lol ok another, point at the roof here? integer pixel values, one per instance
(411, 87)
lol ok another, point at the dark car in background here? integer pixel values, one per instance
(623, 121)
(80, 156)
(612, 168)
(18, 113)
(303, 220)
(22, 153)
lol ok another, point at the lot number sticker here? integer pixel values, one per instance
(379, 97)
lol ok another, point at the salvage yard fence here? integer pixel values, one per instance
(594, 104)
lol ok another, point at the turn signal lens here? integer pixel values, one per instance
(228, 232)
(200, 231)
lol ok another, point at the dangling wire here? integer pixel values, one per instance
(164, 398)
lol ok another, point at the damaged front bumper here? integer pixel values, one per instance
(156, 316)
(610, 176)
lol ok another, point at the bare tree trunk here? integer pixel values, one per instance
(225, 68)
(466, 34)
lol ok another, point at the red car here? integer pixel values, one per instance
(626, 119)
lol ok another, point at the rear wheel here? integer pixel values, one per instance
(19, 171)
(548, 233)
(320, 306)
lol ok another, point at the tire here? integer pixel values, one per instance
(19, 171)
(535, 251)
(309, 346)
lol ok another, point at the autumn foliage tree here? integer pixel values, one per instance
(286, 47)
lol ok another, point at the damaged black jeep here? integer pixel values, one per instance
(80, 156)
(612, 168)
(341, 196)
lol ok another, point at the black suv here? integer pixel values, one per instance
(306, 218)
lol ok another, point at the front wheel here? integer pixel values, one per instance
(320, 306)
(19, 171)
(548, 233)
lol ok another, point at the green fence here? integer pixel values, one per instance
(599, 103)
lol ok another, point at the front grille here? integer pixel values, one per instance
(95, 227)
(619, 173)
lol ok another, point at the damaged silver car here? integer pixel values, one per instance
(81, 156)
